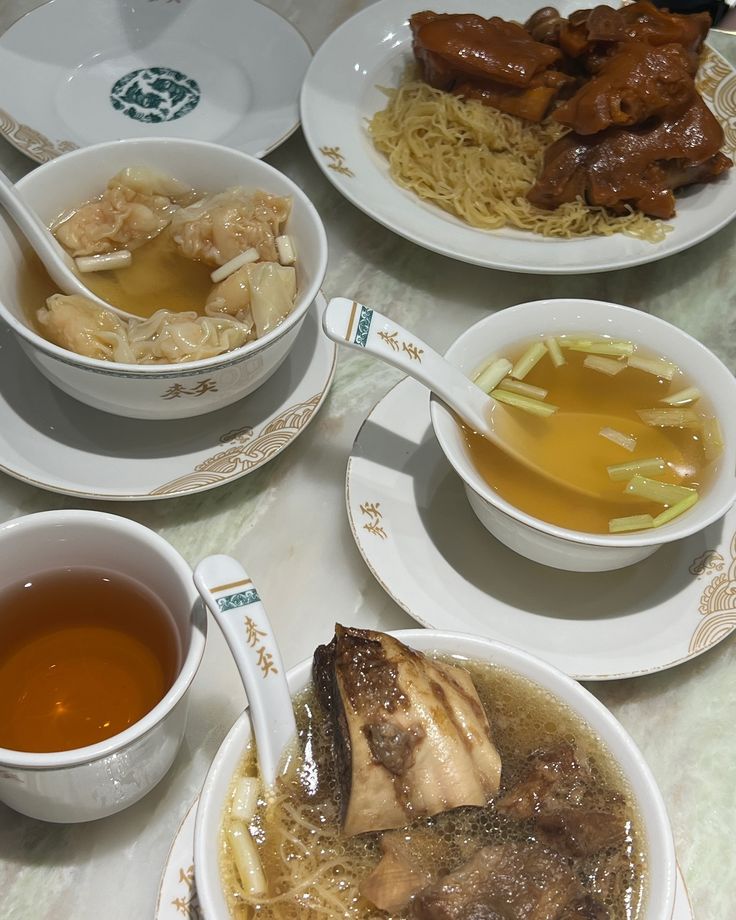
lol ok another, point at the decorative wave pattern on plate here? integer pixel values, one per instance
(717, 606)
(247, 451)
(31, 142)
(716, 82)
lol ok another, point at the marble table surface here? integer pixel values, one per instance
(287, 523)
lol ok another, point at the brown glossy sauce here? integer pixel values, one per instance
(523, 718)
(84, 654)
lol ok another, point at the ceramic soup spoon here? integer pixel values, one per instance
(58, 263)
(353, 325)
(233, 601)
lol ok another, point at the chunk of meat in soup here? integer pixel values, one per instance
(411, 736)
(508, 881)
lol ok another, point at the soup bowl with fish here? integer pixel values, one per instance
(436, 774)
(230, 248)
(629, 414)
(101, 635)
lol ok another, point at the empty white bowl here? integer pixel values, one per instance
(660, 852)
(557, 546)
(159, 391)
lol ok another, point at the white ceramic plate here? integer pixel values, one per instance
(177, 893)
(418, 535)
(341, 90)
(52, 441)
(77, 72)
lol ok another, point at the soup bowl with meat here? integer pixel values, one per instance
(215, 256)
(435, 776)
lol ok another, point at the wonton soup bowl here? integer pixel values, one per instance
(557, 546)
(87, 783)
(654, 823)
(161, 391)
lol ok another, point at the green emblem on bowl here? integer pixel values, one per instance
(155, 94)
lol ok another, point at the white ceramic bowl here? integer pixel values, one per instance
(560, 547)
(146, 391)
(101, 779)
(654, 821)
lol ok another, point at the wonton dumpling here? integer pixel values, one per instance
(272, 293)
(220, 227)
(171, 338)
(80, 326)
(232, 297)
(130, 211)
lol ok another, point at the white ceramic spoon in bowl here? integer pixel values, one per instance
(356, 326)
(233, 600)
(56, 261)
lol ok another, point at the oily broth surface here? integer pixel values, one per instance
(569, 443)
(523, 717)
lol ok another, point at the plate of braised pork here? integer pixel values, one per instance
(551, 140)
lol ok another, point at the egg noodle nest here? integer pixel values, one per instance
(478, 163)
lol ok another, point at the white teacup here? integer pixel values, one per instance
(103, 778)
(660, 851)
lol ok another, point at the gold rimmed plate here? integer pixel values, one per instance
(418, 535)
(52, 441)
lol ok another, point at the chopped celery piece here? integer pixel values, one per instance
(618, 437)
(655, 491)
(555, 352)
(526, 389)
(245, 855)
(682, 397)
(620, 471)
(491, 375)
(533, 406)
(712, 437)
(527, 361)
(633, 522)
(604, 365)
(653, 366)
(676, 510)
(245, 798)
(606, 347)
(669, 418)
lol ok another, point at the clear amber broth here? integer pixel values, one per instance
(570, 446)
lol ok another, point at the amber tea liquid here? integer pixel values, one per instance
(84, 654)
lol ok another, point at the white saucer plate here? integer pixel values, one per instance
(52, 441)
(177, 893)
(372, 49)
(416, 531)
(78, 72)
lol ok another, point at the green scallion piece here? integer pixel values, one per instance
(653, 366)
(555, 352)
(604, 365)
(492, 374)
(669, 418)
(620, 471)
(633, 522)
(533, 406)
(526, 362)
(653, 490)
(525, 389)
(682, 397)
(676, 510)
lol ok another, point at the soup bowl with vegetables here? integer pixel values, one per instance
(436, 775)
(214, 254)
(629, 415)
